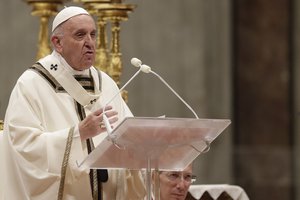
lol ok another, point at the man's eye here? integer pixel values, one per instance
(93, 35)
(174, 175)
(188, 177)
(79, 35)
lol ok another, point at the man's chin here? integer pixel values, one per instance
(83, 67)
(88, 64)
(89, 60)
(177, 197)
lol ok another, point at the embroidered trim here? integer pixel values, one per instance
(65, 164)
(38, 68)
(87, 82)
(81, 115)
(80, 111)
(100, 80)
(90, 145)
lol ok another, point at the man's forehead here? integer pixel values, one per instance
(79, 22)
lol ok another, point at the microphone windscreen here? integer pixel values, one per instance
(136, 62)
(145, 68)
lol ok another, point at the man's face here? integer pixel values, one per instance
(78, 41)
(175, 185)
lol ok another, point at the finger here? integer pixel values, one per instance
(107, 108)
(108, 114)
(111, 113)
(100, 111)
(113, 120)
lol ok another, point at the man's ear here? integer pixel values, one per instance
(56, 42)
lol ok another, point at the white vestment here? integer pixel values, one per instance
(38, 120)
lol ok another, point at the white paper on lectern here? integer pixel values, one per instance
(170, 143)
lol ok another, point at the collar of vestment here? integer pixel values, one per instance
(56, 65)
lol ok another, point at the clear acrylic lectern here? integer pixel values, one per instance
(144, 143)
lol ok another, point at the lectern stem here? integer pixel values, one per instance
(148, 178)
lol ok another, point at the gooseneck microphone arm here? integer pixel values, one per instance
(179, 97)
(122, 88)
(105, 119)
(146, 69)
(138, 63)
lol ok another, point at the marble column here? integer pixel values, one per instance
(296, 99)
(262, 98)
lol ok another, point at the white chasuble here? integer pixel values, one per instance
(40, 116)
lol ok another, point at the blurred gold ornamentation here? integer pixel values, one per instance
(107, 12)
(1, 125)
(44, 9)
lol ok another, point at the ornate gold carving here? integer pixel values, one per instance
(1, 125)
(113, 12)
(106, 11)
(102, 57)
(44, 9)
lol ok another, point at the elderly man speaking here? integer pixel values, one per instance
(55, 118)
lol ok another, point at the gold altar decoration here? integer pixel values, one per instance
(1, 125)
(44, 9)
(113, 12)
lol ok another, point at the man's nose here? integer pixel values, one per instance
(89, 41)
(181, 183)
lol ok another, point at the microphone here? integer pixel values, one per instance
(144, 68)
(138, 63)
